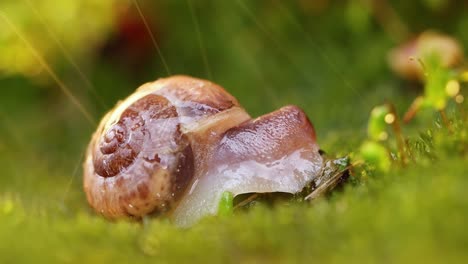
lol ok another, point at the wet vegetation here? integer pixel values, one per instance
(64, 65)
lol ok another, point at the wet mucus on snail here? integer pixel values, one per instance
(176, 145)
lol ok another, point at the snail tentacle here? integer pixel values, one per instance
(176, 144)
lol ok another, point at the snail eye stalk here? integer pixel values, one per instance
(182, 147)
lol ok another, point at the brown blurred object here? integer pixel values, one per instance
(314, 7)
(130, 45)
(403, 60)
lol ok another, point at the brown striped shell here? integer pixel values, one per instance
(176, 144)
(140, 159)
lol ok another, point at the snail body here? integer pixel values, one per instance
(176, 144)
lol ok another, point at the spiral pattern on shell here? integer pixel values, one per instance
(141, 158)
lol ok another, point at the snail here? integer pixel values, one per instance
(175, 145)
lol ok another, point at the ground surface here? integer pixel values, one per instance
(332, 64)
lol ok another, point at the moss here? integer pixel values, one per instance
(410, 214)
(282, 55)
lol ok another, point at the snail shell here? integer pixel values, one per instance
(176, 144)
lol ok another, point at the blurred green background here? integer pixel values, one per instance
(328, 57)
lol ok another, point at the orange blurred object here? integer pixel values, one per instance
(403, 60)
